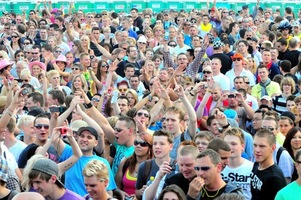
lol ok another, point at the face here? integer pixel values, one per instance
(233, 103)
(55, 80)
(263, 74)
(239, 83)
(141, 147)
(42, 186)
(133, 53)
(262, 149)
(134, 82)
(201, 143)
(214, 127)
(122, 132)
(216, 65)
(161, 146)
(235, 144)
(285, 126)
(42, 129)
(30, 103)
(28, 130)
(271, 125)
(129, 72)
(290, 105)
(287, 88)
(242, 47)
(77, 83)
(211, 173)
(172, 123)
(216, 94)
(225, 155)
(296, 141)
(35, 53)
(123, 105)
(257, 119)
(95, 187)
(86, 61)
(266, 57)
(86, 141)
(164, 75)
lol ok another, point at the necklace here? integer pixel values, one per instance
(204, 189)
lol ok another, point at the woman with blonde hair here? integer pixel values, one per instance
(148, 71)
(77, 50)
(25, 124)
(3, 55)
(52, 41)
(149, 37)
(96, 179)
(132, 96)
(26, 77)
(158, 33)
(85, 41)
(79, 83)
(252, 65)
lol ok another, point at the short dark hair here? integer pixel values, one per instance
(169, 136)
(218, 144)
(286, 65)
(282, 41)
(37, 97)
(43, 115)
(58, 95)
(267, 134)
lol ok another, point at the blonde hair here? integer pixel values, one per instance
(288, 81)
(51, 73)
(106, 29)
(25, 120)
(25, 72)
(4, 55)
(96, 168)
(87, 38)
(83, 80)
(25, 182)
(236, 132)
(134, 93)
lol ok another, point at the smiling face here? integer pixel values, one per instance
(86, 142)
(95, 187)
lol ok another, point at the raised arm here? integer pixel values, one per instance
(168, 61)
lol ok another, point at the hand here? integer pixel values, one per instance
(93, 39)
(113, 67)
(6, 42)
(76, 100)
(210, 82)
(239, 97)
(179, 70)
(121, 54)
(195, 186)
(19, 97)
(165, 168)
(221, 118)
(179, 91)
(143, 188)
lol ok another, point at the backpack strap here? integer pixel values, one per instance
(182, 136)
(147, 170)
(279, 152)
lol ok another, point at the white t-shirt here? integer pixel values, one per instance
(223, 81)
(240, 176)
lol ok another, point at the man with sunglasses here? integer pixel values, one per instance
(209, 183)
(41, 129)
(238, 70)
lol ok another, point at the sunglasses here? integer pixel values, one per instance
(26, 43)
(20, 55)
(118, 129)
(58, 51)
(25, 80)
(205, 168)
(39, 126)
(236, 59)
(268, 128)
(104, 65)
(14, 36)
(206, 72)
(95, 99)
(140, 114)
(231, 96)
(75, 68)
(172, 45)
(34, 52)
(247, 82)
(122, 90)
(142, 144)
(150, 84)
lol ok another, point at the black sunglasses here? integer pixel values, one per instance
(206, 72)
(142, 144)
(118, 129)
(205, 168)
(140, 114)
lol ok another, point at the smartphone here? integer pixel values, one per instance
(114, 97)
(173, 167)
(55, 109)
(166, 36)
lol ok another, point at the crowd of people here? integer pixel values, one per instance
(174, 105)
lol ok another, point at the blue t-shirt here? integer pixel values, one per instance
(121, 152)
(74, 179)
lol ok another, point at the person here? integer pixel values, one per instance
(44, 177)
(222, 148)
(5, 193)
(172, 192)
(267, 178)
(96, 179)
(292, 190)
(209, 184)
(238, 166)
(28, 196)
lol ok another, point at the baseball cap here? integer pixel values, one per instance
(90, 129)
(77, 124)
(289, 115)
(3, 169)
(48, 167)
(266, 97)
(252, 39)
(237, 55)
(217, 44)
(230, 113)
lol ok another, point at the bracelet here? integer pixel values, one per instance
(224, 127)
(191, 94)
(88, 105)
(9, 113)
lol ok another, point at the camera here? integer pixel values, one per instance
(64, 132)
(25, 91)
(56, 109)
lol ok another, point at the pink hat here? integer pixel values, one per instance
(40, 64)
(4, 63)
(62, 58)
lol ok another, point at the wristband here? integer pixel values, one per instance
(224, 127)
(88, 105)
(191, 94)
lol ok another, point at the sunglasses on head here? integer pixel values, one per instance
(142, 144)
(205, 168)
(140, 114)
(39, 126)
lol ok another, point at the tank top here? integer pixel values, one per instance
(129, 182)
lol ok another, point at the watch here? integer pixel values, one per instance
(88, 105)
(224, 127)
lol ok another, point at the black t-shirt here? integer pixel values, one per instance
(292, 56)
(95, 49)
(266, 183)
(179, 180)
(210, 195)
(120, 69)
(226, 61)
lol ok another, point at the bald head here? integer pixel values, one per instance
(28, 196)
